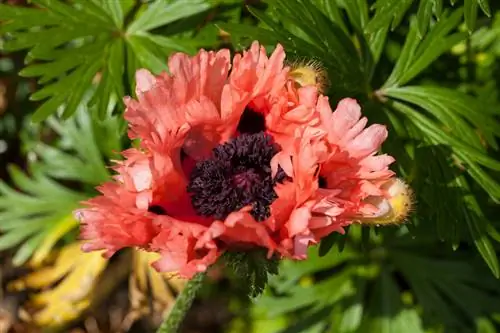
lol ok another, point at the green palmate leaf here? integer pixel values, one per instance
(386, 313)
(242, 35)
(75, 45)
(67, 25)
(377, 43)
(419, 54)
(170, 44)
(455, 110)
(354, 309)
(431, 165)
(461, 209)
(292, 272)
(470, 11)
(313, 322)
(327, 243)
(323, 294)
(317, 298)
(357, 11)
(88, 142)
(424, 15)
(145, 53)
(25, 251)
(25, 216)
(438, 7)
(485, 7)
(387, 13)
(445, 285)
(332, 11)
(329, 293)
(465, 152)
(478, 226)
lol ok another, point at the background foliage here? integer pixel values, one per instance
(428, 69)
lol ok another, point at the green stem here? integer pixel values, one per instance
(174, 319)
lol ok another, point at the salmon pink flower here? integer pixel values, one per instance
(234, 156)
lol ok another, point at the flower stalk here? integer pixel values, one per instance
(182, 305)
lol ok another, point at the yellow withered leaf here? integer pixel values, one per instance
(151, 293)
(66, 285)
(60, 228)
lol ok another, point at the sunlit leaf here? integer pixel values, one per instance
(151, 293)
(74, 46)
(67, 285)
(163, 12)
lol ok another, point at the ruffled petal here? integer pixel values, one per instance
(367, 142)
(145, 81)
(241, 228)
(113, 221)
(351, 171)
(176, 243)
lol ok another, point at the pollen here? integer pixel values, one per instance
(309, 73)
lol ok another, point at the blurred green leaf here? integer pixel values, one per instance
(419, 54)
(386, 313)
(444, 286)
(74, 46)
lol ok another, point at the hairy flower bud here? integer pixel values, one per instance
(395, 207)
(309, 73)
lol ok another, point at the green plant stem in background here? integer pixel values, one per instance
(183, 303)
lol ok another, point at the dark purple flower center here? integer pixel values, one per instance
(237, 174)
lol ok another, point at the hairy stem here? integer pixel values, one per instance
(174, 319)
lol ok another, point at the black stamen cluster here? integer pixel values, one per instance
(237, 174)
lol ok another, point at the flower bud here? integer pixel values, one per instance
(309, 73)
(394, 208)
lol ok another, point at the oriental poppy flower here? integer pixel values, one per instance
(233, 156)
